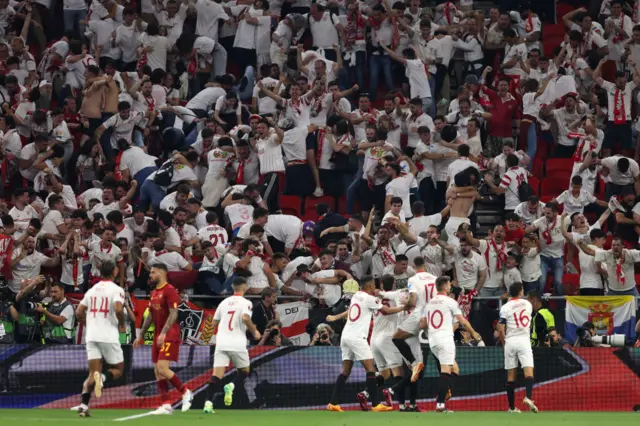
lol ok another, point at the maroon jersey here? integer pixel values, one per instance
(163, 299)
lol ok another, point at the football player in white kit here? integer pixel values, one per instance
(421, 290)
(515, 316)
(232, 320)
(440, 313)
(102, 311)
(354, 342)
(386, 355)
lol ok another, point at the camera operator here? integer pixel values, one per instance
(585, 335)
(59, 317)
(323, 336)
(7, 323)
(273, 336)
(555, 339)
(23, 311)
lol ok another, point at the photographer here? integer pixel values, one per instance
(59, 317)
(273, 336)
(32, 291)
(555, 339)
(585, 336)
(7, 323)
(264, 312)
(323, 336)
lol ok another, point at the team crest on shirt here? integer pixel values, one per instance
(220, 154)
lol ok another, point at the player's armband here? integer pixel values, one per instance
(502, 321)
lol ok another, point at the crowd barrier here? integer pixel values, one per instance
(581, 379)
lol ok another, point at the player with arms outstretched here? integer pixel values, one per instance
(515, 316)
(102, 311)
(231, 320)
(354, 342)
(163, 307)
(439, 314)
(421, 290)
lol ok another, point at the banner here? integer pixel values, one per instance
(294, 378)
(609, 314)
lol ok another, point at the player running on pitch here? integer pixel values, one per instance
(354, 342)
(515, 315)
(387, 357)
(232, 320)
(163, 307)
(104, 320)
(421, 290)
(440, 313)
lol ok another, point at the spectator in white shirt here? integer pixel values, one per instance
(552, 244)
(530, 211)
(576, 199)
(622, 172)
(513, 178)
(399, 186)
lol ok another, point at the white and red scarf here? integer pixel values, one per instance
(619, 272)
(546, 234)
(619, 110)
(501, 255)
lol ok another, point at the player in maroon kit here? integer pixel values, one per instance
(163, 307)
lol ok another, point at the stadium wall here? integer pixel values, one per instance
(583, 379)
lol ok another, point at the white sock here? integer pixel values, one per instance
(104, 378)
(440, 405)
(84, 406)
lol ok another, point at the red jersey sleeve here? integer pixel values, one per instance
(172, 297)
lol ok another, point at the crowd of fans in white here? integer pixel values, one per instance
(173, 132)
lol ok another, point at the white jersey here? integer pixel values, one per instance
(423, 284)
(362, 306)
(101, 322)
(387, 323)
(232, 331)
(440, 313)
(516, 315)
(214, 233)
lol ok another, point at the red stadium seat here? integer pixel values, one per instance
(537, 168)
(607, 243)
(310, 204)
(552, 187)
(555, 164)
(571, 284)
(182, 279)
(535, 184)
(291, 204)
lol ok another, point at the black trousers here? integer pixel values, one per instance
(271, 190)
(427, 191)
(299, 180)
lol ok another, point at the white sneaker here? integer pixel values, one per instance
(515, 410)
(529, 403)
(165, 409)
(318, 192)
(97, 377)
(208, 407)
(76, 408)
(187, 398)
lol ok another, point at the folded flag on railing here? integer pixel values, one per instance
(609, 314)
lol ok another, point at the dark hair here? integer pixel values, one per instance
(464, 150)
(512, 160)
(576, 180)
(515, 289)
(418, 262)
(267, 292)
(401, 258)
(623, 164)
(259, 212)
(552, 206)
(441, 282)
(387, 282)
(160, 266)
(396, 200)
(106, 269)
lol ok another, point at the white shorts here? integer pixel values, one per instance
(221, 358)
(354, 349)
(518, 351)
(111, 352)
(445, 352)
(411, 324)
(452, 227)
(385, 353)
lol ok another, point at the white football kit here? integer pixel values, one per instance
(441, 313)
(385, 353)
(231, 340)
(516, 315)
(423, 285)
(354, 335)
(102, 335)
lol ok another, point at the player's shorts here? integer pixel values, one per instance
(355, 349)
(452, 227)
(445, 352)
(385, 353)
(168, 352)
(110, 352)
(414, 345)
(411, 324)
(221, 358)
(519, 350)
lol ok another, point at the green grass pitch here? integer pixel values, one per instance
(41, 417)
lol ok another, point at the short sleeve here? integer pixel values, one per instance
(182, 262)
(217, 316)
(483, 246)
(562, 198)
(506, 181)
(118, 296)
(455, 309)
(539, 223)
(219, 103)
(84, 301)
(111, 121)
(482, 264)
(590, 197)
(248, 307)
(601, 256)
(172, 297)
(373, 303)
(635, 255)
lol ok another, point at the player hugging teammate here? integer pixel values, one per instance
(440, 315)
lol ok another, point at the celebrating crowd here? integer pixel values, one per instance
(255, 139)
